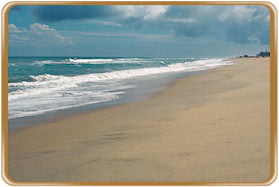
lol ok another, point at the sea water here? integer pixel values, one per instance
(40, 85)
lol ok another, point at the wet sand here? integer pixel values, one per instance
(210, 127)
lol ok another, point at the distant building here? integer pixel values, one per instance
(263, 54)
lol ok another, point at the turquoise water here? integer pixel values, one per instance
(39, 85)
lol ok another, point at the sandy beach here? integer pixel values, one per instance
(209, 127)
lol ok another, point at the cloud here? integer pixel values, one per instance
(86, 35)
(238, 13)
(16, 37)
(16, 8)
(41, 27)
(181, 20)
(15, 32)
(37, 32)
(141, 11)
(102, 22)
(12, 28)
(239, 24)
(54, 13)
(46, 31)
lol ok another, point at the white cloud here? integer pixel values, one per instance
(37, 32)
(181, 20)
(16, 34)
(41, 27)
(13, 28)
(155, 11)
(239, 13)
(48, 32)
(142, 11)
(102, 22)
(85, 34)
(16, 37)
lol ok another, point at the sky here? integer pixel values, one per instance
(138, 31)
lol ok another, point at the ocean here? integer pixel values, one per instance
(40, 85)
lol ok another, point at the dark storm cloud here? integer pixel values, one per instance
(248, 32)
(54, 13)
(16, 8)
(240, 24)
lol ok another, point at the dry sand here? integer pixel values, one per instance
(211, 127)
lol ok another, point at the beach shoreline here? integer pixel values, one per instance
(58, 115)
(207, 127)
(144, 87)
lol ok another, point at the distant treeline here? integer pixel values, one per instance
(261, 54)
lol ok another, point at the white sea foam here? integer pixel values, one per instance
(54, 92)
(90, 60)
(47, 83)
(52, 104)
(94, 61)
